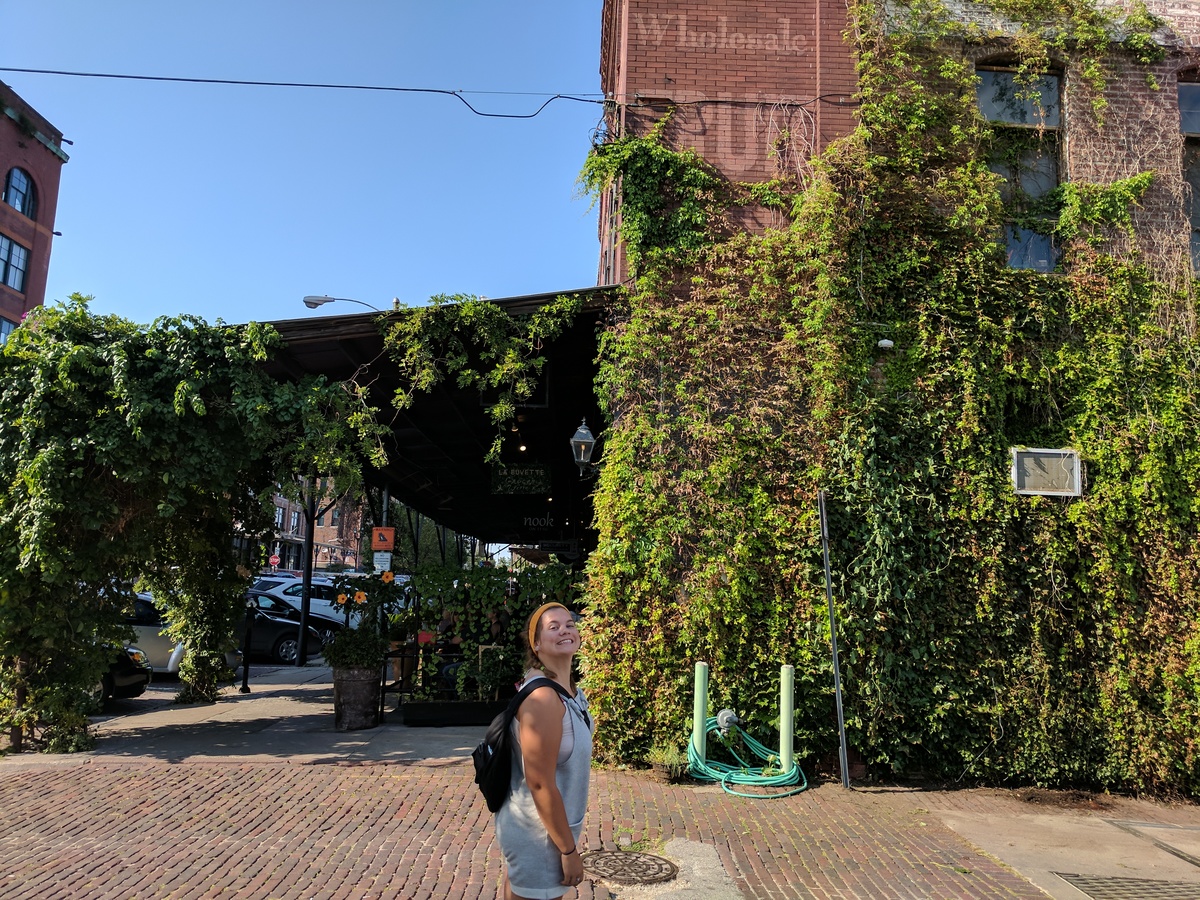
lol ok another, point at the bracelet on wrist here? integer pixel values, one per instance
(569, 852)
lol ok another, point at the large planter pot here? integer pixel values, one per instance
(441, 713)
(355, 698)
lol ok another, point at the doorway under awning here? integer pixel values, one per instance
(436, 465)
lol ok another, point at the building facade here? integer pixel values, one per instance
(755, 88)
(758, 88)
(31, 160)
(337, 535)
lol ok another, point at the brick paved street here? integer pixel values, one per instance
(259, 797)
(106, 829)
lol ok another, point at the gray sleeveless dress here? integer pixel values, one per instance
(533, 861)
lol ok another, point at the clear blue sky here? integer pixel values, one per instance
(234, 202)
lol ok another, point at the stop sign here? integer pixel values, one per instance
(274, 560)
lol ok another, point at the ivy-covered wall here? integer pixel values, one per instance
(985, 636)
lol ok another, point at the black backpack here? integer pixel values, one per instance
(493, 756)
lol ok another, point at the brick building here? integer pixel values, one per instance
(756, 88)
(337, 535)
(31, 159)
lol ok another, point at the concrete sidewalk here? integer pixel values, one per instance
(257, 796)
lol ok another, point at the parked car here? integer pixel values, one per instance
(127, 676)
(322, 596)
(163, 654)
(276, 579)
(278, 639)
(326, 625)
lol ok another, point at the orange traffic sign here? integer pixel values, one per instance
(383, 538)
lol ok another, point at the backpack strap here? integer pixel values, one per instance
(530, 686)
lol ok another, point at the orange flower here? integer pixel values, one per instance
(342, 598)
(360, 597)
(388, 576)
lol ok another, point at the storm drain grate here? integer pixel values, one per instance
(1101, 888)
(629, 867)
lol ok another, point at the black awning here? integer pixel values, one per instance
(436, 461)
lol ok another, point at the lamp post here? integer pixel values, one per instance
(582, 443)
(312, 301)
(251, 606)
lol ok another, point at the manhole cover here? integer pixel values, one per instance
(629, 867)
(1101, 888)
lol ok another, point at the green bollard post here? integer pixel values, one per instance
(787, 709)
(700, 711)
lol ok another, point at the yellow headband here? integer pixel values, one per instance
(537, 617)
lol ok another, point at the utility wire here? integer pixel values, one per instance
(639, 101)
(337, 87)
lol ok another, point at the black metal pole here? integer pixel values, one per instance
(310, 519)
(837, 672)
(250, 606)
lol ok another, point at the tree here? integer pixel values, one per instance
(130, 451)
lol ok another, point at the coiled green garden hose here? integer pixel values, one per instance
(762, 776)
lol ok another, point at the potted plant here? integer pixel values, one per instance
(356, 654)
(667, 763)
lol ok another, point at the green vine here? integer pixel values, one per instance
(668, 197)
(142, 453)
(985, 636)
(479, 344)
(1088, 208)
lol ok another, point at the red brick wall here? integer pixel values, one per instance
(1140, 132)
(757, 87)
(1183, 19)
(738, 72)
(19, 149)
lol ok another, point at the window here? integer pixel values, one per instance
(279, 517)
(1189, 124)
(14, 259)
(1189, 106)
(1004, 100)
(335, 516)
(321, 520)
(6, 328)
(1027, 118)
(295, 522)
(18, 192)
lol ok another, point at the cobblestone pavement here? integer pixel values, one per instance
(105, 829)
(258, 797)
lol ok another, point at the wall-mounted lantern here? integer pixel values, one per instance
(582, 443)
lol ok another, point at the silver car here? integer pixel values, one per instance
(163, 654)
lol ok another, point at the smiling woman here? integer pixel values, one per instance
(539, 827)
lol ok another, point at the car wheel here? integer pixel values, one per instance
(286, 649)
(101, 691)
(327, 634)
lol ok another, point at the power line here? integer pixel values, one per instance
(459, 95)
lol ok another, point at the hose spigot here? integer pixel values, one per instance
(726, 719)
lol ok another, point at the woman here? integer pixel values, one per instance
(539, 827)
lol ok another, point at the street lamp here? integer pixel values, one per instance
(312, 301)
(582, 443)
